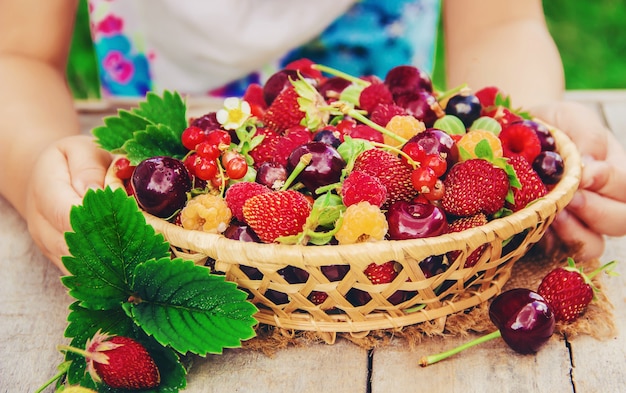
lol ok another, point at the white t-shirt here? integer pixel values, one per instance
(198, 46)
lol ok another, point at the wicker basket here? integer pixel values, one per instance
(458, 288)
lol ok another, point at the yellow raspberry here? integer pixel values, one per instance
(207, 213)
(405, 126)
(362, 222)
(472, 138)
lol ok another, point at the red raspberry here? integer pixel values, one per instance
(384, 112)
(374, 94)
(363, 187)
(520, 140)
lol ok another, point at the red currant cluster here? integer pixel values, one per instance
(430, 164)
(210, 158)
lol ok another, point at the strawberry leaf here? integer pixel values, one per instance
(184, 306)
(155, 140)
(118, 129)
(153, 128)
(110, 238)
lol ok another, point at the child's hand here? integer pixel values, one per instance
(599, 206)
(60, 178)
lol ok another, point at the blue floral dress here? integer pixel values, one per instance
(368, 39)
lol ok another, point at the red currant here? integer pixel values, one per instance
(236, 168)
(208, 150)
(436, 162)
(205, 168)
(414, 150)
(123, 169)
(423, 179)
(191, 136)
(219, 138)
(436, 193)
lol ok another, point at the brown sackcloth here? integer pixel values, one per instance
(597, 320)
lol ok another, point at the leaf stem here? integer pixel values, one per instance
(431, 359)
(63, 368)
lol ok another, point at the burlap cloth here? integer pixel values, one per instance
(597, 320)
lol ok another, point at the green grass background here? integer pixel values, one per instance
(591, 36)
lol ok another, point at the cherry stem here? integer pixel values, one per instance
(350, 111)
(305, 160)
(340, 74)
(431, 359)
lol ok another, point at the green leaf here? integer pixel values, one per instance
(483, 150)
(168, 109)
(153, 128)
(110, 238)
(155, 140)
(118, 129)
(184, 306)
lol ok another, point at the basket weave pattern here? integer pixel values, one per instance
(256, 267)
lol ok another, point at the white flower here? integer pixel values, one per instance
(234, 114)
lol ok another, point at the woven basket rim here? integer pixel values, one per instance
(555, 200)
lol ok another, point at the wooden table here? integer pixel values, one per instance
(34, 310)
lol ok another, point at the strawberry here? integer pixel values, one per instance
(305, 67)
(284, 112)
(120, 362)
(487, 96)
(381, 274)
(275, 214)
(317, 297)
(266, 150)
(292, 138)
(474, 186)
(568, 290)
(503, 115)
(393, 173)
(520, 140)
(237, 194)
(532, 186)
(254, 96)
(462, 224)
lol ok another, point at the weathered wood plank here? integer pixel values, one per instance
(337, 368)
(489, 367)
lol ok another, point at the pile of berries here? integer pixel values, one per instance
(315, 156)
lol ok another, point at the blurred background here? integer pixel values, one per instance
(591, 37)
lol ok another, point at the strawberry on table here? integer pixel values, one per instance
(568, 290)
(120, 362)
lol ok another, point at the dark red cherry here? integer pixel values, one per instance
(415, 220)
(160, 185)
(436, 141)
(549, 166)
(271, 174)
(404, 79)
(524, 319)
(325, 166)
